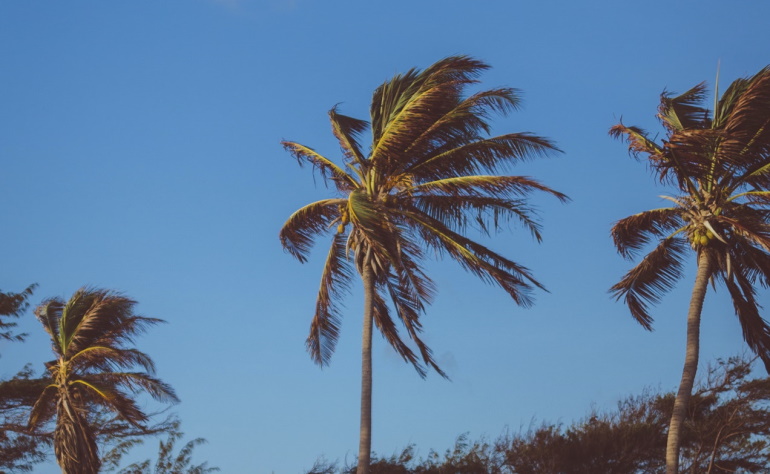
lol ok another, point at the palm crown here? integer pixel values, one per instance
(426, 178)
(720, 165)
(89, 334)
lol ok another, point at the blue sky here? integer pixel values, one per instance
(140, 152)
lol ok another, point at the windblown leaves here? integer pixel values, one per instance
(721, 167)
(89, 333)
(426, 180)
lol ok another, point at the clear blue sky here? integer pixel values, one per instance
(140, 152)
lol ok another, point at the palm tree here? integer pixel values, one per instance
(419, 188)
(89, 335)
(720, 166)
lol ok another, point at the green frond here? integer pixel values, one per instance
(110, 358)
(394, 96)
(483, 155)
(371, 224)
(109, 396)
(348, 130)
(462, 124)
(136, 382)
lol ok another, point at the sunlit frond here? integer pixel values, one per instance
(327, 168)
(484, 155)
(464, 123)
(348, 130)
(298, 233)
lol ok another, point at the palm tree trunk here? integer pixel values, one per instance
(690, 362)
(365, 443)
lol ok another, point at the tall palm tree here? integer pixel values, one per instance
(720, 166)
(419, 188)
(90, 334)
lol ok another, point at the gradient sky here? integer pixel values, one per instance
(140, 152)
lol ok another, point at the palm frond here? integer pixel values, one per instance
(387, 327)
(756, 331)
(684, 111)
(462, 124)
(107, 358)
(136, 382)
(637, 139)
(484, 155)
(394, 96)
(485, 185)
(298, 233)
(648, 281)
(49, 313)
(335, 283)
(409, 305)
(748, 104)
(633, 233)
(515, 279)
(43, 409)
(488, 213)
(327, 168)
(110, 396)
(348, 130)
(93, 314)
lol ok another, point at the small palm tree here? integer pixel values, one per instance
(720, 166)
(89, 335)
(427, 178)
